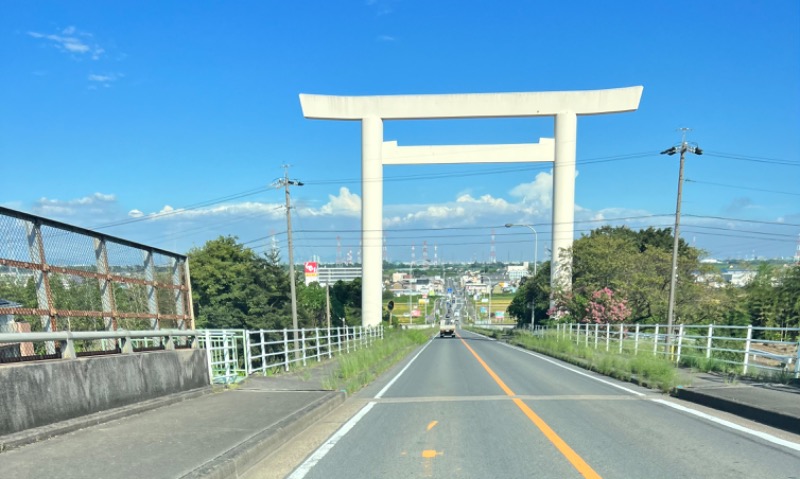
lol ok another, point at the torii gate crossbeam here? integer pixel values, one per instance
(372, 110)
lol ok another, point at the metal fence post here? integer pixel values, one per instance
(347, 339)
(680, 344)
(41, 278)
(608, 336)
(636, 341)
(226, 347)
(330, 343)
(286, 348)
(208, 356)
(708, 343)
(586, 336)
(106, 287)
(339, 338)
(316, 335)
(303, 344)
(621, 336)
(263, 351)
(596, 334)
(150, 279)
(797, 362)
(655, 342)
(747, 347)
(248, 358)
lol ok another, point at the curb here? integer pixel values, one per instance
(30, 436)
(237, 461)
(770, 418)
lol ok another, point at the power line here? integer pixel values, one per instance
(741, 187)
(756, 159)
(185, 209)
(774, 223)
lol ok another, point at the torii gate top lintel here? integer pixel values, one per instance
(471, 105)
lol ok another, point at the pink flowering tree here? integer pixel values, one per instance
(604, 307)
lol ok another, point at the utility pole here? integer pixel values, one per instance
(682, 149)
(328, 301)
(286, 182)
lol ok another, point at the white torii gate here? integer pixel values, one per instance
(372, 110)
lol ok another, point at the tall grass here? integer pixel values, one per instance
(359, 368)
(650, 371)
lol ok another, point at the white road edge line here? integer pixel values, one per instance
(762, 435)
(385, 388)
(323, 450)
(544, 358)
(759, 434)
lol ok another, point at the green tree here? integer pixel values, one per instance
(636, 265)
(532, 290)
(232, 287)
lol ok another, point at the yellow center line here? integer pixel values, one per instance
(432, 425)
(577, 462)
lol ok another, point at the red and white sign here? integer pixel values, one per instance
(312, 272)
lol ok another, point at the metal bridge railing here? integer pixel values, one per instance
(83, 280)
(232, 353)
(748, 347)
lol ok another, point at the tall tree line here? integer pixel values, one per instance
(627, 272)
(233, 287)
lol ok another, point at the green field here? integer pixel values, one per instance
(401, 308)
(500, 302)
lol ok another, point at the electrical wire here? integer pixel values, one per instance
(741, 187)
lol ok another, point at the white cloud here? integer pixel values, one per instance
(386, 38)
(135, 214)
(345, 204)
(97, 203)
(71, 40)
(103, 80)
(538, 194)
(381, 7)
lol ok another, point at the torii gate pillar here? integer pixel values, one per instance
(563, 198)
(371, 221)
(372, 110)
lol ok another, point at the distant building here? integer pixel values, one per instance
(330, 276)
(738, 277)
(517, 272)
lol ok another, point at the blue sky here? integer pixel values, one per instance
(117, 111)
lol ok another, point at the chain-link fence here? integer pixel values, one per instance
(59, 277)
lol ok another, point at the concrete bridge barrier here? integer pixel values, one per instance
(42, 393)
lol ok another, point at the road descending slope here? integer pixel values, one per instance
(471, 407)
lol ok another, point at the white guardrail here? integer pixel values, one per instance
(232, 353)
(745, 346)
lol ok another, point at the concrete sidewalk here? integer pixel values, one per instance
(211, 435)
(776, 405)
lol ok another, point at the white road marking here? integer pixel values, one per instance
(312, 461)
(324, 449)
(762, 435)
(385, 388)
(544, 358)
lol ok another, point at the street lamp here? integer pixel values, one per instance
(535, 247)
(682, 149)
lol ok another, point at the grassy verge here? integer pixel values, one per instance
(644, 369)
(359, 368)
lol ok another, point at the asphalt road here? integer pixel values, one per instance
(475, 408)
